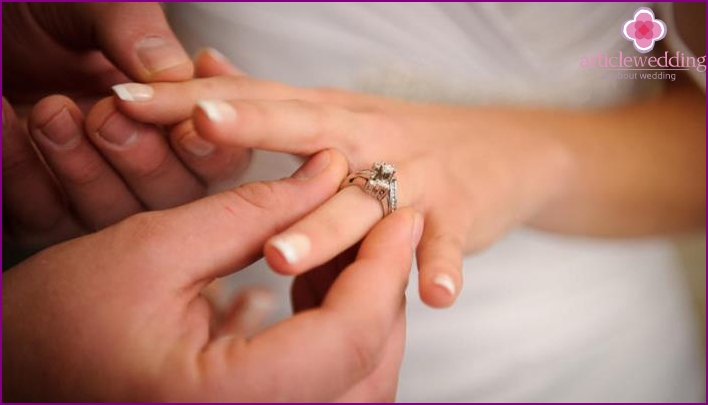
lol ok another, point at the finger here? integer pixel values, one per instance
(143, 157)
(440, 261)
(381, 385)
(33, 206)
(212, 164)
(170, 103)
(247, 314)
(216, 293)
(324, 233)
(213, 236)
(347, 335)
(290, 126)
(310, 288)
(336, 225)
(97, 194)
(210, 62)
(134, 36)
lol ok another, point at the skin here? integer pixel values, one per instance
(84, 182)
(475, 173)
(86, 48)
(94, 328)
(146, 275)
(562, 177)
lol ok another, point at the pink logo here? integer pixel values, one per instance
(643, 30)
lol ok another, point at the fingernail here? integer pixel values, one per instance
(417, 229)
(196, 145)
(133, 91)
(119, 130)
(217, 110)
(216, 54)
(313, 167)
(156, 54)
(445, 281)
(293, 247)
(62, 130)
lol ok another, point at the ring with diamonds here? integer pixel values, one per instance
(378, 182)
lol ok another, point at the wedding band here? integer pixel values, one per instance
(379, 182)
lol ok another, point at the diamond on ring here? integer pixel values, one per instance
(379, 182)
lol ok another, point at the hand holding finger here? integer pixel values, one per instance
(302, 127)
(145, 275)
(358, 315)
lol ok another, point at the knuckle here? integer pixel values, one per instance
(261, 195)
(328, 124)
(82, 173)
(143, 234)
(258, 111)
(318, 130)
(153, 167)
(373, 125)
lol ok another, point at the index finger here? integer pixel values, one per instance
(342, 341)
(171, 103)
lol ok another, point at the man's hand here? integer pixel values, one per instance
(65, 174)
(118, 314)
(81, 49)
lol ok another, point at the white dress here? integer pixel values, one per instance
(542, 317)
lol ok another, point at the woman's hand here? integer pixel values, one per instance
(472, 181)
(118, 315)
(64, 175)
(474, 172)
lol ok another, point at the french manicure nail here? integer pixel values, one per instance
(157, 54)
(62, 130)
(196, 145)
(118, 130)
(133, 91)
(445, 281)
(313, 167)
(294, 247)
(217, 110)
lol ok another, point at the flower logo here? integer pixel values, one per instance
(644, 30)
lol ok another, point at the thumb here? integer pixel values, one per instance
(134, 36)
(222, 233)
